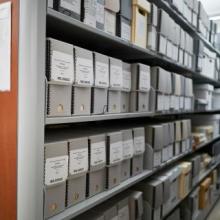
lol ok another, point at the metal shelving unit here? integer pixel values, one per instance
(89, 203)
(32, 120)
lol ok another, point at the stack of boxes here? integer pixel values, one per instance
(140, 88)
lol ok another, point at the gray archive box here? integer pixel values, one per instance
(84, 80)
(139, 101)
(78, 168)
(114, 158)
(69, 7)
(136, 205)
(123, 209)
(114, 101)
(137, 164)
(88, 15)
(154, 145)
(96, 178)
(58, 100)
(101, 83)
(128, 152)
(56, 169)
(126, 87)
(100, 14)
(59, 62)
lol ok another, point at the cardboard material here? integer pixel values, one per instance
(204, 193)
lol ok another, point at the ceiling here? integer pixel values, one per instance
(212, 7)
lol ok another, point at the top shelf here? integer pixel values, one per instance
(184, 23)
(63, 27)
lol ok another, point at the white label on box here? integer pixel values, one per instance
(157, 158)
(100, 13)
(56, 170)
(84, 71)
(160, 102)
(78, 161)
(144, 81)
(140, 26)
(139, 145)
(98, 153)
(62, 67)
(73, 5)
(102, 74)
(126, 80)
(110, 22)
(125, 31)
(116, 152)
(128, 149)
(116, 77)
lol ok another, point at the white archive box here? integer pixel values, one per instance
(115, 85)
(101, 84)
(114, 158)
(89, 12)
(111, 8)
(126, 87)
(78, 168)
(137, 163)
(154, 144)
(140, 87)
(68, 7)
(204, 91)
(55, 176)
(96, 178)
(128, 152)
(84, 80)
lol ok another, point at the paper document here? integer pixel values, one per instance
(5, 46)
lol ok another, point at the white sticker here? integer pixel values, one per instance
(144, 81)
(72, 5)
(84, 71)
(90, 13)
(78, 161)
(100, 13)
(128, 149)
(157, 158)
(116, 77)
(116, 152)
(62, 67)
(139, 145)
(102, 74)
(110, 22)
(125, 31)
(98, 153)
(56, 170)
(126, 80)
(160, 102)
(140, 26)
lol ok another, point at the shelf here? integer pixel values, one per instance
(66, 28)
(105, 117)
(183, 23)
(98, 199)
(201, 178)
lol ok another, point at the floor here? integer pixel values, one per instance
(215, 214)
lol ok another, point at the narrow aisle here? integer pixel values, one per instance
(215, 214)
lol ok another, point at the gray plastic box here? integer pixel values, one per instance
(78, 168)
(58, 100)
(81, 100)
(56, 170)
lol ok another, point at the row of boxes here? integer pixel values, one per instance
(126, 206)
(82, 82)
(80, 164)
(201, 198)
(206, 60)
(173, 41)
